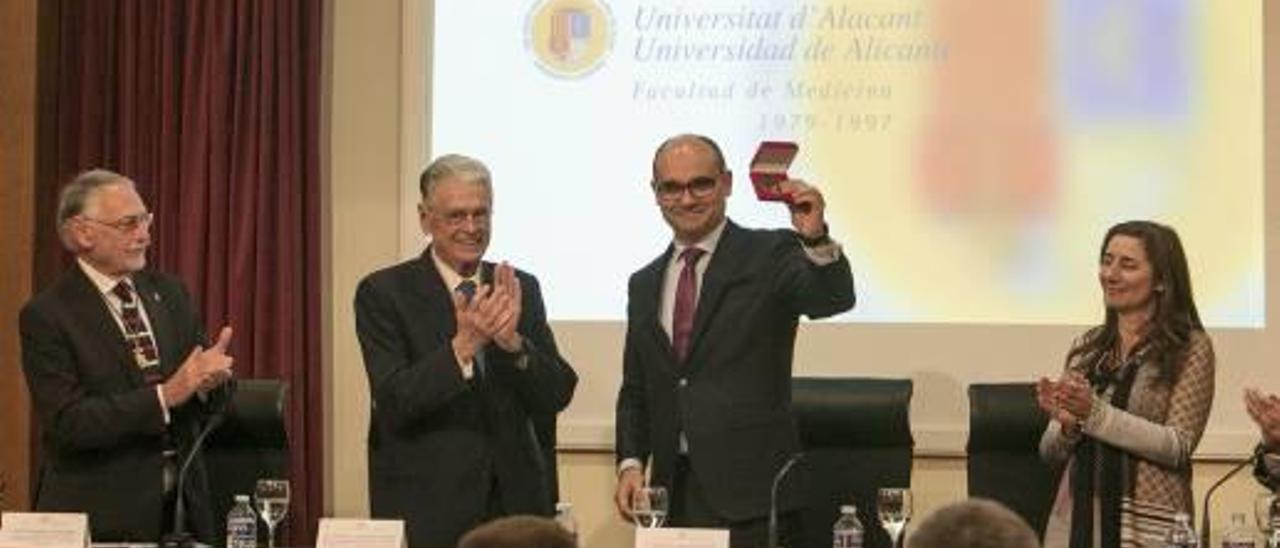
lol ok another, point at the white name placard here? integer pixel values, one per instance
(46, 530)
(671, 537)
(361, 533)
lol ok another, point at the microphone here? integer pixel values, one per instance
(773, 497)
(1204, 521)
(179, 537)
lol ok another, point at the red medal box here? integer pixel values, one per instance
(769, 167)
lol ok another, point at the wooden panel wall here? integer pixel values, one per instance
(18, 64)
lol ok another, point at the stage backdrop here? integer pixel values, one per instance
(972, 156)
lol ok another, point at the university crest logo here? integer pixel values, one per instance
(569, 38)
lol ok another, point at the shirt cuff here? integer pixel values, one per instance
(628, 464)
(1071, 435)
(1272, 462)
(164, 406)
(524, 355)
(468, 366)
(1098, 414)
(823, 254)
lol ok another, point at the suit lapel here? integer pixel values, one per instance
(648, 299)
(429, 286)
(162, 326)
(90, 308)
(721, 274)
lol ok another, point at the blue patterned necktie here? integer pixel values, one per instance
(467, 288)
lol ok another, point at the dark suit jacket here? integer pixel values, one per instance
(101, 424)
(1263, 473)
(732, 398)
(441, 449)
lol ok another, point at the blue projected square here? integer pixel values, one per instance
(1125, 60)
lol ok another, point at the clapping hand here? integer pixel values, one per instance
(470, 313)
(508, 295)
(1075, 395)
(493, 314)
(1264, 409)
(1067, 400)
(1047, 399)
(204, 369)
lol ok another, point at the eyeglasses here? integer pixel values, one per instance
(698, 187)
(128, 223)
(459, 217)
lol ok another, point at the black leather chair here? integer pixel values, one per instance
(857, 438)
(249, 444)
(1005, 425)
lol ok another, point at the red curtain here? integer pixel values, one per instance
(212, 107)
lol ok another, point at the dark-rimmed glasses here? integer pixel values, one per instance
(698, 187)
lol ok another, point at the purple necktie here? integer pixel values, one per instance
(686, 303)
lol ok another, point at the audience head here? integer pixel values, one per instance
(691, 185)
(518, 532)
(973, 523)
(102, 219)
(457, 201)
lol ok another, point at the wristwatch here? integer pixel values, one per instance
(821, 239)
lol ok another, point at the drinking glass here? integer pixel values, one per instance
(649, 506)
(272, 496)
(893, 506)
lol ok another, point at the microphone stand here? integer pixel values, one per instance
(773, 497)
(1205, 521)
(179, 537)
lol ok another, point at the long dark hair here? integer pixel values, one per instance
(1175, 316)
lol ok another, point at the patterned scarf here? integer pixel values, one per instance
(1097, 464)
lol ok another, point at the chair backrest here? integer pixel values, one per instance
(1005, 425)
(250, 444)
(857, 438)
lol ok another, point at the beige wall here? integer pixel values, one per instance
(361, 201)
(370, 170)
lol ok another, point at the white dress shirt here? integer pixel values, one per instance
(452, 280)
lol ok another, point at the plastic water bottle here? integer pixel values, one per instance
(564, 516)
(1181, 535)
(1238, 535)
(847, 531)
(242, 525)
